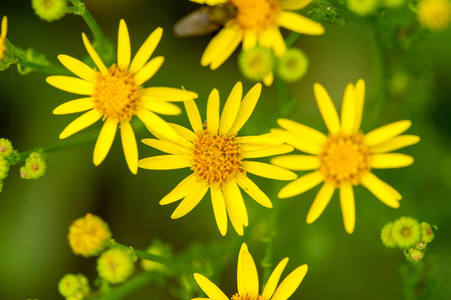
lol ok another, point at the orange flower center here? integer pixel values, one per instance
(344, 158)
(256, 14)
(116, 95)
(216, 157)
(245, 297)
(406, 232)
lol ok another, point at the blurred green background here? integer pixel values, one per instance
(35, 215)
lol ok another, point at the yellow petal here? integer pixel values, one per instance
(219, 44)
(129, 146)
(71, 84)
(327, 108)
(299, 142)
(249, 39)
(267, 170)
(74, 106)
(293, 5)
(390, 160)
(298, 23)
(247, 276)
(290, 283)
(160, 106)
(190, 201)
(264, 139)
(384, 192)
(4, 27)
(231, 108)
(347, 206)
(165, 162)
(180, 141)
(268, 79)
(94, 55)
(146, 50)
(301, 185)
(77, 67)
(320, 203)
(183, 132)
(148, 70)
(225, 50)
(359, 101)
(297, 162)
(268, 151)
(395, 143)
(232, 191)
(80, 123)
(302, 130)
(212, 291)
(181, 190)
(277, 41)
(246, 107)
(213, 112)
(219, 209)
(123, 46)
(348, 110)
(169, 94)
(157, 124)
(234, 214)
(193, 115)
(273, 280)
(385, 133)
(104, 141)
(253, 190)
(166, 146)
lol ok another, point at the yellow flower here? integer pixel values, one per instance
(216, 155)
(88, 235)
(257, 23)
(434, 14)
(3, 37)
(116, 95)
(247, 281)
(345, 157)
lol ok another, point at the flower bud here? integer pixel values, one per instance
(406, 232)
(74, 286)
(427, 235)
(387, 236)
(115, 266)
(49, 10)
(292, 65)
(256, 63)
(434, 14)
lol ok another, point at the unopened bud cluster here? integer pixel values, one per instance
(74, 286)
(35, 166)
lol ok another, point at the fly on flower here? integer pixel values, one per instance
(116, 95)
(218, 159)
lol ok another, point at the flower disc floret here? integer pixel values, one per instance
(406, 232)
(115, 266)
(256, 14)
(292, 65)
(256, 63)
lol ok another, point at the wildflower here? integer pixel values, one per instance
(406, 232)
(35, 166)
(427, 235)
(387, 236)
(292, 65)
(248, 285)
(115, 95)
(344, 158)
(216, 155)
(88, 235)
(49, 10)
(157, 248)
(257, 64)
(363, 7)
(115, 266)
(6, 148)
(434, 14)
(414, 255)
(6, 52)
(257, 23)
(74, 286)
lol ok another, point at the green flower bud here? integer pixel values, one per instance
(115, 266)
(256, 63)
(49, 10)
(6, 148)
(387, 236)
(406, 232)
(415, 255)
(363, 7)
(292, 65)
(4, 167)
(23, 173)
(74, 286)
(427, 235)
(421, 246)
(35, 165)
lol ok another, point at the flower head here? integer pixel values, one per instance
(217, 157)
(387, 236)
(414, 255)
(257, 23)
(256, 63)
(115, 266)
(35, 166)
(88, 235)
(74, 286)
(6, 148)
(49, 10)
(345, 157)
(4, 167)
(427, 235)
(292, 65)
(406, 232)
(248, 283)
(434, 14)
(115, 95)
(363, 7)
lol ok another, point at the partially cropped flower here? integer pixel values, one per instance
(6, 57)
(49, 10)
(74, 286)
(257, 23)
(218, 158)
(6, 148)
(427, 235)
(4, 167)
(115, 266)
(414, 255)
(406, 232)
(157, 248)
(35, 166)
(363, 7)
(115, 95)
(434, 14)
(387, 236)
(257, 64)
(88, 235)
(248, 282)
(345, 157)
(292, 65)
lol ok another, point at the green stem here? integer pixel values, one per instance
(80, 9)
(291, 39)
(41, 68)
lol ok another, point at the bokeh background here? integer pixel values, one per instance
(412, 83)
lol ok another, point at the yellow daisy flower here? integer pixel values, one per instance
(345, 157)
(216, 155)
(247, 281)
(257, 22)
(3, 37)
(115, 95)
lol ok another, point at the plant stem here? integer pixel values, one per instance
(79, 8)
(41, 68)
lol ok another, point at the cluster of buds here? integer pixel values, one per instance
(7, 153)
(74, 286)
(34, 166)
(409, 235)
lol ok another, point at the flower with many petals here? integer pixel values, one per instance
(345, 157)
(217, 157)
(248, 284)
(115, 95)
